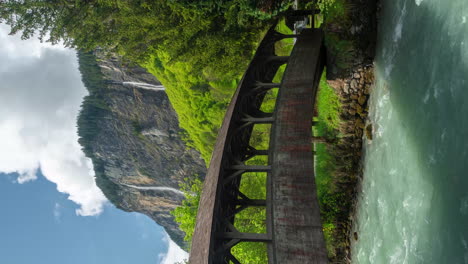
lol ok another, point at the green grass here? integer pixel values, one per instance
(328, 122)
(342, 50)
(334, 10)
(329, 107)
(335, 19)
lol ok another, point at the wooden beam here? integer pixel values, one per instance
(258, 120)
(258, 115)
(252, 152)
(279, 36)
(267, 85)
(245, 125)
(233, 259)
(231, 243)
(232, 176)
(250, 237)
(252, 202)
(237, 210)
(260, 152)
(251, 168)
(282, 59)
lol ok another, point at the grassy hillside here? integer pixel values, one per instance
(200, 91)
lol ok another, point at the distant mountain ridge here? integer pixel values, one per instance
(130, 131)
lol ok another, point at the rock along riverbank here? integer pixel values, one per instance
(350, 72)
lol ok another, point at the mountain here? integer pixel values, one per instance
(129, 129)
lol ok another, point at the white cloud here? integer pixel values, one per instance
(40, 96)
(15, 48)
(174, 253)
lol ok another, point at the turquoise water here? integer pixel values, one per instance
(414, 202)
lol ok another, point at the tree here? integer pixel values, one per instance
(186, 214)
(130, 27)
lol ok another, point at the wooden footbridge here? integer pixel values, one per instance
(293, 227)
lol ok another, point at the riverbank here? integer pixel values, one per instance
(345, 152)
(351, 28)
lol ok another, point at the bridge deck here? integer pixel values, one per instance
(297, 235)
(294, 231)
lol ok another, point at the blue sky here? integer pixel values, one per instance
(52, 210)
(39, 225)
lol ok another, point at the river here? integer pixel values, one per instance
(414, 202)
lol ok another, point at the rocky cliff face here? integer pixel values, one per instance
(129, 129)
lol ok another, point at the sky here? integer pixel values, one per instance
(51, 206)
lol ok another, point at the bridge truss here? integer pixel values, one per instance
(293, 228)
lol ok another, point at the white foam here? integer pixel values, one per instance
(465, 245)
(407, 201)
(463, 20)
(444, 134)
(436, 92)
(390, 114)
(398, 30)
(379, 132)
(399, 26)
(383, 100)
(373, 254)
(464, 205)
(414, 249)
(395, 258)
(382, 210)
(405, 242)
(418, 2)
(388, 69)
(426, 97)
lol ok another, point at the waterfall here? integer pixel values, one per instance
(146, 86)
(155, 188)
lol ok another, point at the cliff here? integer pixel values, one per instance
(130, 131)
